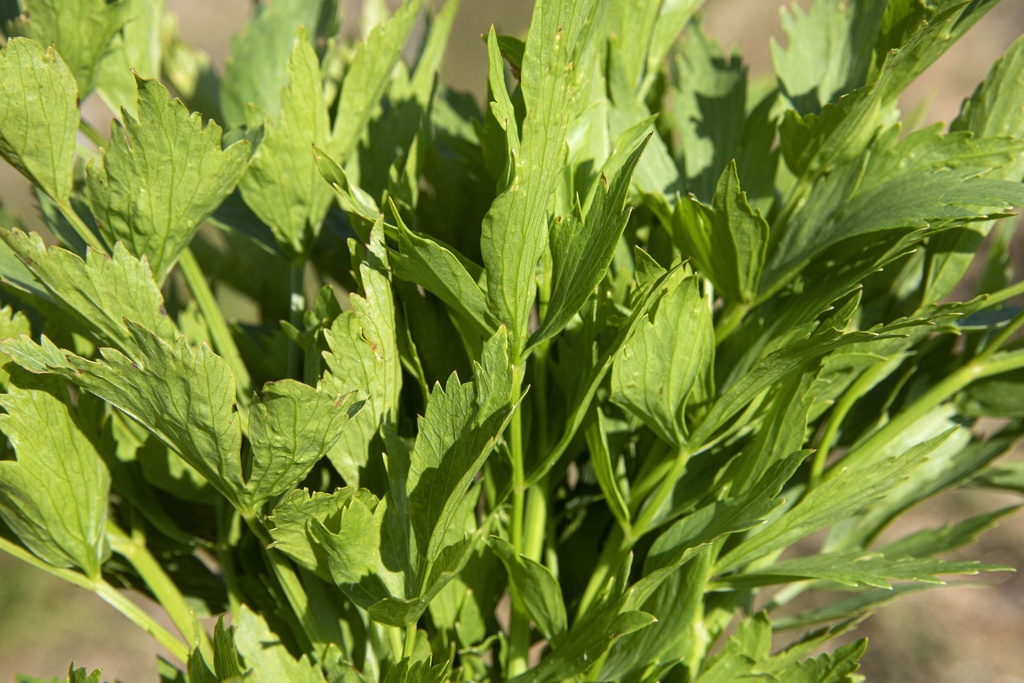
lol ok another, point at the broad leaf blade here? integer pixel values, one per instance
(81, 30)
(39, 110)
(99, 292)
(161, 176)
(534, 589)
(185, 398)
(283, 185)
(291, 428)
(54, 496)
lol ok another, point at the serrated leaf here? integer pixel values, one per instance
(368, 76)
(994, 108)
(437, 269)
(266, 658)
(514, 230)
(54, 496)
(160, 177)
(461, 426)
(829, 51)
(290, 429)
(581, 250)
(283, 185)
(99, 292)
(256, 69)
(363, 357)
(81, 31)
(12, 324)
(840, 496)
(667, 361)
(727, 241)
(39, 110)
(534, 589)
(185, 398)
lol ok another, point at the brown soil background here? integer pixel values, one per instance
(962, 634)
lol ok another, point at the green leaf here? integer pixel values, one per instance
(80, 30)
(855, 569)
(12, 324)
(514, 231)
(39, 110)
(842, 495)
(830, 48)
(185, 398)
(727, 241)
(266, 658)
(291, 524)
(368, 76)
(461, 426)
(283, 185)
(994, 108)
(534, 589)
(601, 459)
(256, 69)
(160, 177)
(137, 48)
(364, 357)
(99, 292)
(581, 250)
(440, 271)
(54, 496)
(291, 428)
(667, 362)
(926, 177)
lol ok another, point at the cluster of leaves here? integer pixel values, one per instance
(608, 351)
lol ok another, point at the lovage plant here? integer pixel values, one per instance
(597, 382)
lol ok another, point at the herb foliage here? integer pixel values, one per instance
(583, 373)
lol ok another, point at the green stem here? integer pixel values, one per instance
(730, 320)
(661, 493)
(133, 548)
(220, 334)
(843, 406)
(519, 625)
(227, 537)
(108, 594)
(296, 307)
(614, 546)
(94, 135)
(1005, 294)
(81, 229)
(1004, 336)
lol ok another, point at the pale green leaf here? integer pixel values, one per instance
(830, 48)
(283, 185)
(290, 429)
(353, 199)
(440, 271)
(185, 398)
(256, 69)
(727, 241)
(461, 425)
(601, 459)
(994, 108)
(39, 110)
(160, 177)
(534, 589)
(80, 30)
(855, 569)
(54, 496)
(99, 292)
(667, 361)
(12, 324)
(137, 47)
(291, 520)
(842, 495)
(364, 357)
(265, 657)
(582, 250)
(514, 231)
(368, 76)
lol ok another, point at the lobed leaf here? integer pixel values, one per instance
(185, 398)
(161, 176)
(534, 588)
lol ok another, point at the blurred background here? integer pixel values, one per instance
(969, 633)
